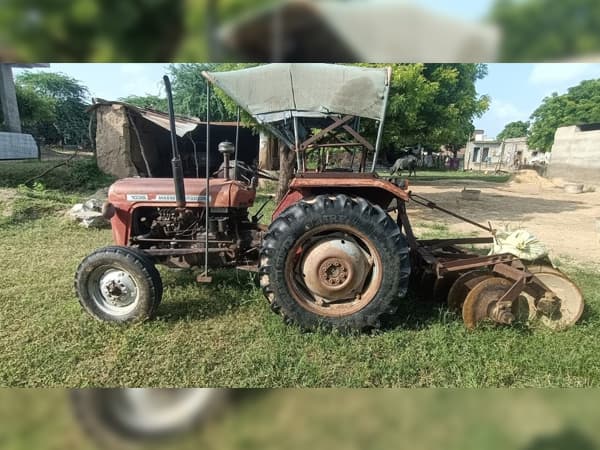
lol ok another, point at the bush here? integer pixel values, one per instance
(78, 176)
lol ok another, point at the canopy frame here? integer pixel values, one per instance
(294, 125)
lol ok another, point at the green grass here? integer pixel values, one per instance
(342, 419)
(77, 176)
(224, 334)
(442, 175)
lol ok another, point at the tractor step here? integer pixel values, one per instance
(204, 278)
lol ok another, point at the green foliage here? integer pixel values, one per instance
(92, 30)
(514, 130)
(37, 113)
(581, 104)
(78, 176)
(113, 30)
(147, 101)
(53, 107)
(433, 104)
(536, 30)
(189, 92)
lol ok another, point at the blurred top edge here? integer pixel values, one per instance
(299, 31)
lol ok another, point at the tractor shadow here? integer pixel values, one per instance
(417, 313)
(186, 299)
(567, 439)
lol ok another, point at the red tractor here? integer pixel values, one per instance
(333, 255)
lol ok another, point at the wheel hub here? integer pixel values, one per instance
(480, 304)
(118, 288)
(335, 269)
(333, 272)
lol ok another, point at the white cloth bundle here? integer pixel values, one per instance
(520, 243)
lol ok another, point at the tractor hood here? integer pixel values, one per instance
(161, 192)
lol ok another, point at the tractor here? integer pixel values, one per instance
(340, 252)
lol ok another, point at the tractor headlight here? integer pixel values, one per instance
(108, 210)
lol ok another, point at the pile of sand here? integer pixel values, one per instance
(529, 176)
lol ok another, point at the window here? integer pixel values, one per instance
(485, 154)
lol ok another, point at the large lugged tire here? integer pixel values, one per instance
(334, 262)
(123, 417)
(118, 284)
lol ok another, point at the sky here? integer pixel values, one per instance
(516, 90)
(464, 9)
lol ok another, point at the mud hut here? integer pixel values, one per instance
(132, 141)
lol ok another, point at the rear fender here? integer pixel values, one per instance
(375, 190)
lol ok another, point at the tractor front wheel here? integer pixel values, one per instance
(134, 418)
(118, 284)
(334, 262)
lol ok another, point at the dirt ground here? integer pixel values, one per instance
(565, 223)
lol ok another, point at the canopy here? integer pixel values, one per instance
(275, 92)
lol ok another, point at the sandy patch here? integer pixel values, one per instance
(566, 223)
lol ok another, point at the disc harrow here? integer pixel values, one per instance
(497, 288)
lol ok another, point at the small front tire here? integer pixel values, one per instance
(118, 284)
(124, 417)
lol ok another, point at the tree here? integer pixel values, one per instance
(514, 130)
(189, 92)
(147, 101)
(581, 104)
(67, 99)
(35, 110)
(432, 105)
(92, 30)
(535, 30)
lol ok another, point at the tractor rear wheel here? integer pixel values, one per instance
(118, 284)
(334, 262)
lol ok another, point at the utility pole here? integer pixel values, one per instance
(8, 98)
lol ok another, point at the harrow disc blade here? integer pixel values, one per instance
(571, 300)
(458, 291)
(524, 308)
(481, 300)
(441, 287)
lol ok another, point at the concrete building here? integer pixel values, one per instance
(518, 152)
(576, 154)
(14, 144)
(483, 153)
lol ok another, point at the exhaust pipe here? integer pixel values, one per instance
(176, 165)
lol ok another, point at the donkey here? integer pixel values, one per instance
(405, 163)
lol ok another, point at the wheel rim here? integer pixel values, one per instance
(113, 290)
(333, 270)
(157, 410)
